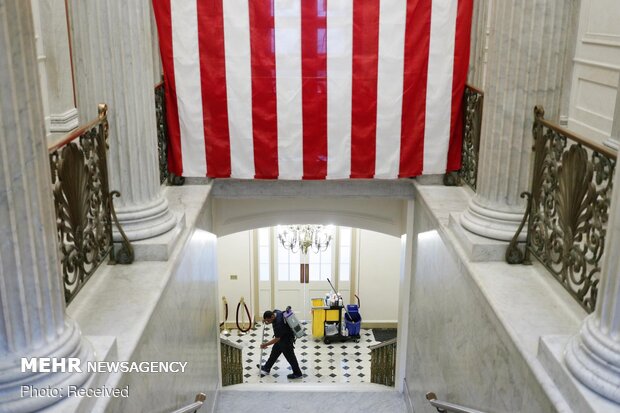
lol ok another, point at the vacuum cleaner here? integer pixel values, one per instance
(293, 323)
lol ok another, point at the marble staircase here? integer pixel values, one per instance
(309, 398)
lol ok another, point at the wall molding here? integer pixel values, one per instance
(595, 63)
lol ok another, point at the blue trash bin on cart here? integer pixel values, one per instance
(353, 320)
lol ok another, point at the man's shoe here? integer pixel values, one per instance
(294, 376)
(263, 372)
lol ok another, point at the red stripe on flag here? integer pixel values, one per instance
(459, 77)
(213, 84)
(264, 100)
(161, 9)
(417, 43)
(314, 87)
(364, 88)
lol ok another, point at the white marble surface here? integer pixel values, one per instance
(310, 398)
(478, 248)
(583, 400)
(52, 29)
(160, 247)
(476, 325)
(117, 36)
(131, 302)
(183, 327)
(524, 68)
(32, 308)
(104, 349)
(593, 356)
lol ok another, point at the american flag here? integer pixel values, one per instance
(314, 89)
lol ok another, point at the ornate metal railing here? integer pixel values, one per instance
(568, 207)
(473, 99)
(162, 138)
(162, 131)
(232, 363)
(83, 204)
(383, 363)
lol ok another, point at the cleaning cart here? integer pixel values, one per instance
(335, 329)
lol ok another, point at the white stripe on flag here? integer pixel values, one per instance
(439, 86)
(392, 22)
(287, 23)
(239, 87)
(187, 77)
(339, 87)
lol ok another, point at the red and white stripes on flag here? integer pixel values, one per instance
(314, 89)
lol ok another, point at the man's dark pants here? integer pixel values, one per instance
(283, 347)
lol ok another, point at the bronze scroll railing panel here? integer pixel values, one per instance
(472, 124)
(83, 203)
(568, 208)
(473, 99)
(162, 131)
(163, 138)
(232, 363)
(383, 363)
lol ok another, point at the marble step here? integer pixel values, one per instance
(309, 398)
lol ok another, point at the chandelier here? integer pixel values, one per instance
(304, 237)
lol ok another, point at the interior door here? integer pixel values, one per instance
(289, 281)
(301, 277)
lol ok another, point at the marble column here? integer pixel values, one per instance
(32, 309)
(157, 67)
(593, 356)
(526, 55)
(614, 140)
(52, 39)
(479, 43)
(114, 64)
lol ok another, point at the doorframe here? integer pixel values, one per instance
(344, 214)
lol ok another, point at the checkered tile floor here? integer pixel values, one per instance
(347, 362)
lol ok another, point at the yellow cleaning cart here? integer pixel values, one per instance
(318, 317)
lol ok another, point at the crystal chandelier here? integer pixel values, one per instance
(304, 237)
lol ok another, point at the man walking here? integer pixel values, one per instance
(282, 344)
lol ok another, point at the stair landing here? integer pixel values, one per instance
(309, 398)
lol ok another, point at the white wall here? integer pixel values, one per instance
(596, 68)
(234, 257)
(378, 266)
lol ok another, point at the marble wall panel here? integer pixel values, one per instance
(183, 327)
(454, 347)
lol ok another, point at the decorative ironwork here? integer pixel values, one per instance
(162, 138)
(232, 363)
(568, 208)
(383, 363)
(473, 99)
(82, 202)
(472, 124)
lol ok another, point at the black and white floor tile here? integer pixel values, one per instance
(346, 362)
